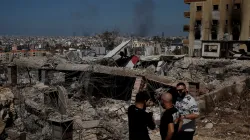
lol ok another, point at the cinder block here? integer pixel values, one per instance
(66, 132)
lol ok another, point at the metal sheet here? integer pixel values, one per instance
(117, 49)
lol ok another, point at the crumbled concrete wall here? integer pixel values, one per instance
(208, 101)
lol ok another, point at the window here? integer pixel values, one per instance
(227, 7)
(236, 6)
(215, 22)
(197, 35)
(199, 8)
(214, 36)
(198, 22)
(226, 23)
(215, 7)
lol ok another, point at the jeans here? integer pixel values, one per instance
(185, 135)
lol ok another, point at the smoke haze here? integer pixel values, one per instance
(144, 17)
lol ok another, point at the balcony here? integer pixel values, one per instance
(189, 1)
(186, 28)
(187, 14)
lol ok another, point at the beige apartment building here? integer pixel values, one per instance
(216, 20)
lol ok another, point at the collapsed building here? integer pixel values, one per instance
(59, 97)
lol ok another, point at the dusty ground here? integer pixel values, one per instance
(230, 119)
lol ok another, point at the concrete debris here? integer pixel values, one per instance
(85, 124)
(76, 90)
(6, 96)
(73, 56)
(209, 126)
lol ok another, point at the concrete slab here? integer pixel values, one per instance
(207, 101)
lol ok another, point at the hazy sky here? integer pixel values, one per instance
(64, 17)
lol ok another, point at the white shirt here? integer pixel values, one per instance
(188, 106)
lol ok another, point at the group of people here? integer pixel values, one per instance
(177, 121)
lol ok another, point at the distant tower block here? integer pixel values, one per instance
(12, 74)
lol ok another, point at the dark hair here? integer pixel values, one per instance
(181, 84)
(141, 97)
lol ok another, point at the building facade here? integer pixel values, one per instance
(216, 20)
(6, 56)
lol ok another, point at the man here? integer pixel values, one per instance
(189, 111)
(139, 119)
(168, 123)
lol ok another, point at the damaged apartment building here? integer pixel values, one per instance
(218, 28)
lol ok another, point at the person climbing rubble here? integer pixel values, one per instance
(139, 120)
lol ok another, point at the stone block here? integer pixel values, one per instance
(85, 124)
(16, 135)
(216, 70)
(33, 108)
(66, 131)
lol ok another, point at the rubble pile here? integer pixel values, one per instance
(106, 118)
(229, 120)
(210, 73)
(102, 119)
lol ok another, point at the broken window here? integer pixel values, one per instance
(197, 35)
(210, 48)
(197, 30)
(215, 22)
(198, 22)
(199, 8)
(214, 36)
(236, 6)
(236, 33)
(215, 7)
